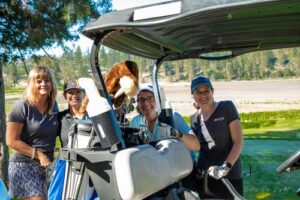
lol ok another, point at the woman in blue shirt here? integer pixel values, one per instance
(148, 120)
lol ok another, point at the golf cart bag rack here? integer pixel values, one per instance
(133, 173)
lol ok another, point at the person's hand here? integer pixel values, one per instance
(218, 172)
(44, 160)
(167, 131)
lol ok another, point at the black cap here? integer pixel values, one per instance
(71, 84)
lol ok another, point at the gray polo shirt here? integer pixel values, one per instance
(39, 130)
(216, 146)
(66, 120)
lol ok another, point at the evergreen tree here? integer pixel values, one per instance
(80, 65)
(29, 26)
(13, 74)
(104, 59)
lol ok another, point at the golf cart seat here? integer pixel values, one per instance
(143, 170)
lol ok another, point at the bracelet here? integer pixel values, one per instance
(33, 154)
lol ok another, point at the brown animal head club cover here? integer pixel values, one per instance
(122, 83)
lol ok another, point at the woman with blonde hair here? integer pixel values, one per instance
(31, 131)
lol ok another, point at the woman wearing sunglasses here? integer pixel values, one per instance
(148, 120)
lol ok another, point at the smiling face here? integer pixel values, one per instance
(43, 86)
(203, 95)
(146, 104)
(74, 98)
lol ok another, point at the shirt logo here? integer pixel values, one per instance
(219, 119)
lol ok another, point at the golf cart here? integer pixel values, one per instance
(167, 31)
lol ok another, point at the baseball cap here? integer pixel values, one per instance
(200, 80)
(71, 84)
(145, 87)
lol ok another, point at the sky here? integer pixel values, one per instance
(86, 43)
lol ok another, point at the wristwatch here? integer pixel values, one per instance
(228, 164)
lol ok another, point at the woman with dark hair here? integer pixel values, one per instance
(31, 131)
(218, 127)
(73, 94)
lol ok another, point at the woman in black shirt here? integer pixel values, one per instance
(218, 127)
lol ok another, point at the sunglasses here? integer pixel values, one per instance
(143, 100)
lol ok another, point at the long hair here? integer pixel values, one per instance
(31, 95)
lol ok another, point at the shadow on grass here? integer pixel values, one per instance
(265, 156)
(279, 135)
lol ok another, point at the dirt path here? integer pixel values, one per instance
(249, 96)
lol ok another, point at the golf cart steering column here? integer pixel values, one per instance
(163, 108)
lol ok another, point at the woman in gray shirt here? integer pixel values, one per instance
(31, 132)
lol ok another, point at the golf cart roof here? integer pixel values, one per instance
(190, 28)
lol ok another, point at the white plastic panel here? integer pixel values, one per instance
(144, 170)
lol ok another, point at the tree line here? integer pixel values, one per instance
(280, 63)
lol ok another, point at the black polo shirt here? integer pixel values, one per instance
(216, 147)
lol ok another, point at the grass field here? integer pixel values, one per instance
(265, 156)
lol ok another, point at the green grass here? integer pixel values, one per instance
(14, 90)
(272, 125)
(265, 156)
(283, 124)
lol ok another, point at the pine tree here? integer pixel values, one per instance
(29, 26)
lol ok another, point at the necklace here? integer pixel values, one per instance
(41, 109)
(43, 114)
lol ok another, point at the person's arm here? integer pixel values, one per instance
(188, 136)
(237, 139)
(191, 140)
(14, 130)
